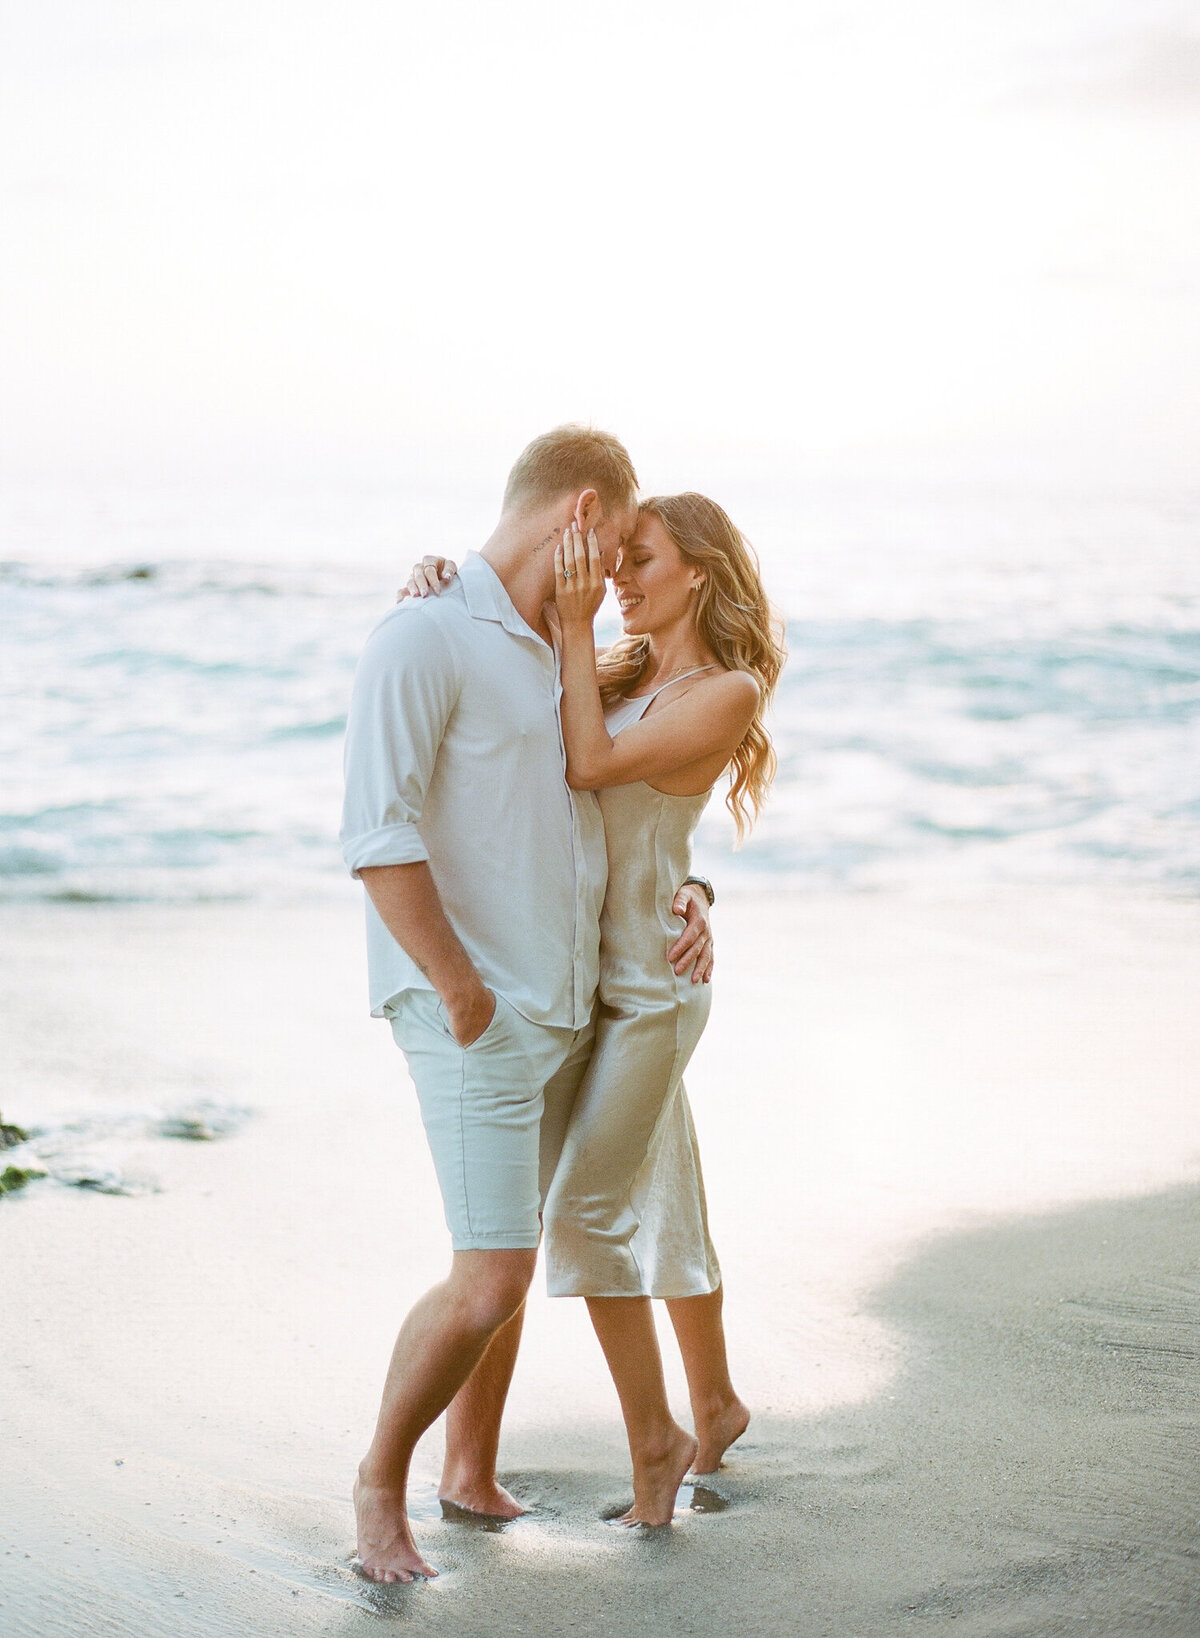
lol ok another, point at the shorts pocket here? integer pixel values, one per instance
(480, 1040)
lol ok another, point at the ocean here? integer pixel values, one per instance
(980, 690)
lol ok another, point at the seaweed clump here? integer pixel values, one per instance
(13, 1178)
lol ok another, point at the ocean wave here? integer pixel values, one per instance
(171, 730)
(312, 730)
(174, 577)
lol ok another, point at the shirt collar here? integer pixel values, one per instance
(487, 598)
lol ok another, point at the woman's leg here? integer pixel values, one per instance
(662, 1451)
(719, 1414)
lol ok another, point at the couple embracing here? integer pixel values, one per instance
(520, 811)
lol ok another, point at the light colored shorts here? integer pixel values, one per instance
(494, 1112)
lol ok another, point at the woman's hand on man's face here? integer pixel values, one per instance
(578, 577)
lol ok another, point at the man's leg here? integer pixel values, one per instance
(481, 1107)
(440, 1344)
(473, 1421)
(473, 1430)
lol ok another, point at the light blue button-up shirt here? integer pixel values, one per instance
(455, 755)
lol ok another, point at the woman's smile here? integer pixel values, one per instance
(653, 584)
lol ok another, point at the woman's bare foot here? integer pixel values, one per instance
(656, 1480)
(487, 1497)
(386, 1549)
(716, 1431)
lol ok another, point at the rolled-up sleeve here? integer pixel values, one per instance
(405, 689)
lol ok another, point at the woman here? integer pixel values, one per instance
(650, 725)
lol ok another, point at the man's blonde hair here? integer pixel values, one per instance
(569, 460)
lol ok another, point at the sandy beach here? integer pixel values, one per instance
(910, 295)
(953, 1162)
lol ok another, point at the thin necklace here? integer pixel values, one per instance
(678, 672)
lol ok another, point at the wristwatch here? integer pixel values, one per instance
(703, 881)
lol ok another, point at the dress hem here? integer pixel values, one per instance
(659, 1296)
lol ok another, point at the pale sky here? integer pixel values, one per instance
(365, 238)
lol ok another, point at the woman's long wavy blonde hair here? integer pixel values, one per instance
(736, 622)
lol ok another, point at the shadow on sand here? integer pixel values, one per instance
(1031, 1472)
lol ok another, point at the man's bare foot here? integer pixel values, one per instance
(656, 1481)
(487, 1497)
(716, 1432)
(386, 1549)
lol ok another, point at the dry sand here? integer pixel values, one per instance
(953, 1155)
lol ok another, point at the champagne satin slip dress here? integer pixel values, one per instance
(626, 1215)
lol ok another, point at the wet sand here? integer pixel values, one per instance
(953, 1154)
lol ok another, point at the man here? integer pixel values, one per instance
(484, 877)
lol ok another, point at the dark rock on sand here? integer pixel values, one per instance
(103, 1178)
(11, 1136)
(202, 1122)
